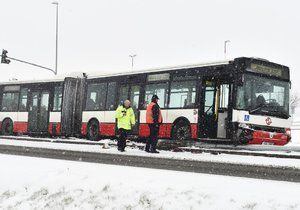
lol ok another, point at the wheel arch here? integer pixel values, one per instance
(4, 119)
(96, 121)
(93, 119)
(181, 118)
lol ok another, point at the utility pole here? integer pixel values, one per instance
(56, 44)
(132, 60)
(225, 48)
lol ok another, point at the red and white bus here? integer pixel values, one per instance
(245, 100)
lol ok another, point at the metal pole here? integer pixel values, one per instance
(132, 60)
(56, 47)
(33, 64)
(225, 48)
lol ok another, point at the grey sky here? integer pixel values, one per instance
(99, 35)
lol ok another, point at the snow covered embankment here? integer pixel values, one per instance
(223, 158)
(33, 183)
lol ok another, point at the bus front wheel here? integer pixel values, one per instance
(7, 127)
(181, 131)
(93, 130)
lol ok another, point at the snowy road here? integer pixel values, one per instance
(38, 183)
(283, 173)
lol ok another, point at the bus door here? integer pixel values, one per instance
(223, 91)
(209, 117)
(38, 117)
(131, 92)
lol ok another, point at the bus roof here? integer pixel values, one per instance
(94, 75)
(159, 69)
(57, 78)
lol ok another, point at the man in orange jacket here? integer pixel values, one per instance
(153, 119)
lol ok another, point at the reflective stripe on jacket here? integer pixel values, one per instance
(150, 115)
(125, 117)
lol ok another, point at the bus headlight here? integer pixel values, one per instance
(288, 132)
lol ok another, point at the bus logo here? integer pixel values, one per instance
(268, 121)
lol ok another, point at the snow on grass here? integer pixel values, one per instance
(226, 158)
(33, 183)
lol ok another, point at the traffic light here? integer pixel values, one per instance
(4, 58)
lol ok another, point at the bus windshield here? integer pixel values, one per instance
(264, 96)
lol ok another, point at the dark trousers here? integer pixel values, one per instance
(122, 139)
(152, 140)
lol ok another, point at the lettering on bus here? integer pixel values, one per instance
(258, 68)
(158, 77)
(11, 88)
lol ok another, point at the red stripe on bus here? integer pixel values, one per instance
(165, 130)
(83, 129)
(263, 136)
(107, 129)
(20, 127)
(194, 130)
(144, 130)
(57, 129)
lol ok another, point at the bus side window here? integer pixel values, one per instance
(57, 98)
(96, 96)
(183, 94)
(23, 100)
(10, 101)
(110, 97)
(158, 89)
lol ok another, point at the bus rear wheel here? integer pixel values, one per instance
(93, 130)
(7, 127)
(181, 131)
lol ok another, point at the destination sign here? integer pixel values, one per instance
(262, 69)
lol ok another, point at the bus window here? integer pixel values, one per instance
(111, 95)
(183, 94)
(57, 99)
(23, 100)
(158, 89)
(224, 96)
(135, 96)
(96, 95)
(123, 94)
(10, 102)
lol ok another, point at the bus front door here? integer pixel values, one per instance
(38, 111)
(209, 121)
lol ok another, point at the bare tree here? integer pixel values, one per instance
(295, 100)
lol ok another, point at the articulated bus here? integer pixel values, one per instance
(245, 100)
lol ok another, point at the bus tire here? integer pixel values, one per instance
(244, 138)
(181, 130)
(7, 127)
(93, 130)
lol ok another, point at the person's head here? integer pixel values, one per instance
(260, 100)
(127, 103)
(154, 98)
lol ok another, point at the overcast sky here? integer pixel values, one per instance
(99, 35)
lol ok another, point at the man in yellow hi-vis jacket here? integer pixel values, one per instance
(125, 122)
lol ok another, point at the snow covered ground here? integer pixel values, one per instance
(295, 137)
(226, 158)
(33, 183)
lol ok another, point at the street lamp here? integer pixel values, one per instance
(132, 60)
(56, 48)
(225, 48)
